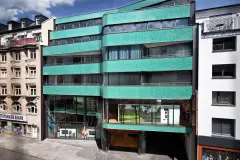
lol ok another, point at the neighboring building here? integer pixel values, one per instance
(218, 83)
(128, 74)
(20, 76)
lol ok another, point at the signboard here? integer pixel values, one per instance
(13, 117)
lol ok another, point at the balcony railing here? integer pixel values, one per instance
(72, 84)
(221, 24)
(168, 84)
(18, 43)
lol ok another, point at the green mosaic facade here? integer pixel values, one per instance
(109, 65)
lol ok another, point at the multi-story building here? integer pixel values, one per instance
(129, 72)
(218, 83)
(20, 66)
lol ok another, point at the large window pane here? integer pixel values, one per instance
(113, 53)
(107, 30)
(168, 24)
(182, 22)
(128, 27)
(223, 127)
(98, 21)
(141, 26)
(90, 22)
(223, 98)
(68, 26)
(116, 29)
(154, 25)
(135, 52)
(216, 126)
(124, 52)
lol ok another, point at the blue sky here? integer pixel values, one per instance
(62, 9)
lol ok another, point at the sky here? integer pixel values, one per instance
(16, 9)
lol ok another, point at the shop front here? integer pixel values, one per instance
(12, 123)
(72, 117)
(212, 153)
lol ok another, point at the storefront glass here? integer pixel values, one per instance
(71, 117)
(212, 154)
(144, 112)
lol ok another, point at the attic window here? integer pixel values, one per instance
(37, 21)
(23, 24)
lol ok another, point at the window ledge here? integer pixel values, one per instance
(223, 77)
(32, 114)
(224, 105)
(222, 136)
(227, 50)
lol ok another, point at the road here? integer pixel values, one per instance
(10, 155)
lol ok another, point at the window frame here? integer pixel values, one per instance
(3, 73)
(223, 121)
(17, 91)
(17, 56)
(33, 54)
(3, 90)
(33, 90)
(218, 98)
(223, 71)
(3, 57)
(224, 50)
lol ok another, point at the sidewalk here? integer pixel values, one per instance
(54, 149)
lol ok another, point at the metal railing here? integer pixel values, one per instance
(19, 43)
(168, 84)
(72, 84)
(223, 23)
(70, 63)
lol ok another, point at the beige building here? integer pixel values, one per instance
(20, 77)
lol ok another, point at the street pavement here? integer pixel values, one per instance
(21, 148)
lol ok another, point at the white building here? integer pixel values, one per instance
(218, 122)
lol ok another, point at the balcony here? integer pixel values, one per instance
(19, 43)
(92, 68)
(30, 80)
(77, 32)
(167, 91)
(72, 48)
(147, 115)
(147, 15)
(72, 89)
(149, 36)
(16, 80)
(30, 62)
(164, 64)
(221, 24)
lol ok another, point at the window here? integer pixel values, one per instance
(3, 57)
(223, 127)
(17, 90)
(23, 24)
(3, 73)
(68, 26)
(33, 54)
(33, 91)
(154, 25)
(32, 72)
(4, 90)
(141, 26)
(223, 98)
(17, 107)
(224, 71)
(3, 106)
(182, 22)
(37, 21)
(17, 72)
(98, 21)
(62, 41)
(90, 23)
(168, 24)
(223, 44)
(31, 108)
(17, 56)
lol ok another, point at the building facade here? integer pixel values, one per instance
(20, 77)
(218, 83)
(124, 76)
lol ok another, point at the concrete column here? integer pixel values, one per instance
(142, 143)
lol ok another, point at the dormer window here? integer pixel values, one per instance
(23, 24)
(10, 26)
(37, 21)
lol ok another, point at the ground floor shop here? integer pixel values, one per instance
(218, 148)
(72, 117)
(17, 124)
(212, 153)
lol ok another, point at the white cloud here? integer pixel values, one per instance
(9, 9)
